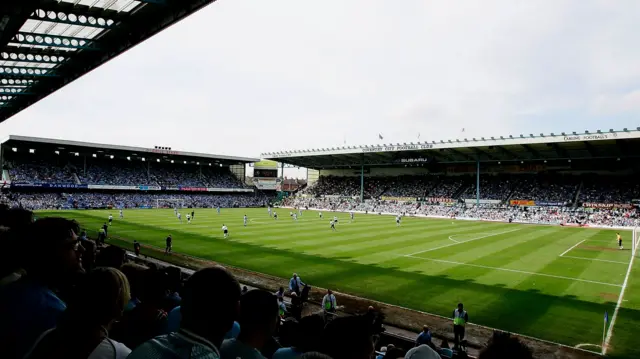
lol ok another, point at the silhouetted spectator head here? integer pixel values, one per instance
(505, 348)
(258, 316)
(13, 224)
(310, 331)
(135, 274)
(53, 252)
(89, 255)
(421, 352)
(445, 344)
(314, 355)
(111, 256)
(460, 306)
(289, 333)
(349, 338)
(154, 288)
(210, 303)
(101, 297)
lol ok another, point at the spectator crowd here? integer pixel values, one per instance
(44, 200)
(123, 173)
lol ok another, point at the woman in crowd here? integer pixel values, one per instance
(83, 332)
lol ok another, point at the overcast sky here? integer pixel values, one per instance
(242, 77)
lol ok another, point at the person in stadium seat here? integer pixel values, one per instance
(505, 348)
(424, 337)
(288, 337)
(258, 322)
(349, 338)
(206, 316)
(83, 330)
(296, 284)
(135, 274)
(89, 255)
(296, 306)
(174, 283)
(13, 223)
(445, 349)
(111, 256)
(148, 319)
(280, 292)
(422, 352)
(52, 258)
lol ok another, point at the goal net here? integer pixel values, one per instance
(169, 203)
(635, 240)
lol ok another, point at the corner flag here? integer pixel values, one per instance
(604, 328)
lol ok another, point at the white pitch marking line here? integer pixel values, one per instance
(572, 247)
(451, 239)
(470, 240)
(595, 259)
(615, 312)
(515, 271)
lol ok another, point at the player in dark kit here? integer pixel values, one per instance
(193, 214)
(168, 249)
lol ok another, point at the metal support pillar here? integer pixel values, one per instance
(362, 180)
(84, 171)
(478, 184)
(2, 162)
(148, 170)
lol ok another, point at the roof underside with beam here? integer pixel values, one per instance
(46, 44)
(611, 145)
(45, 145)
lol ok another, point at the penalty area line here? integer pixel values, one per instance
(572, 247)
(515, 271)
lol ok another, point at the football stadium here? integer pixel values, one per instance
(456, 246)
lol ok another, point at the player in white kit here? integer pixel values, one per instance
(320, 215)
(333, 225)
(110, 219)
(188, 218)
(121, 214)
(245, 220)
(351, 215)
(225, 231)
(398, 219)
(295, 216)
(179, 217)
(269, 210)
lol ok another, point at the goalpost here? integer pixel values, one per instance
(169, 202)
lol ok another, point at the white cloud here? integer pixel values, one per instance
(615, 104)
(249, 76)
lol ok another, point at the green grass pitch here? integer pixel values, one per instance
(548, 282)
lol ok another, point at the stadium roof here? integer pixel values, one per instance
(46, 44)
(563, 146)
(90, 148)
